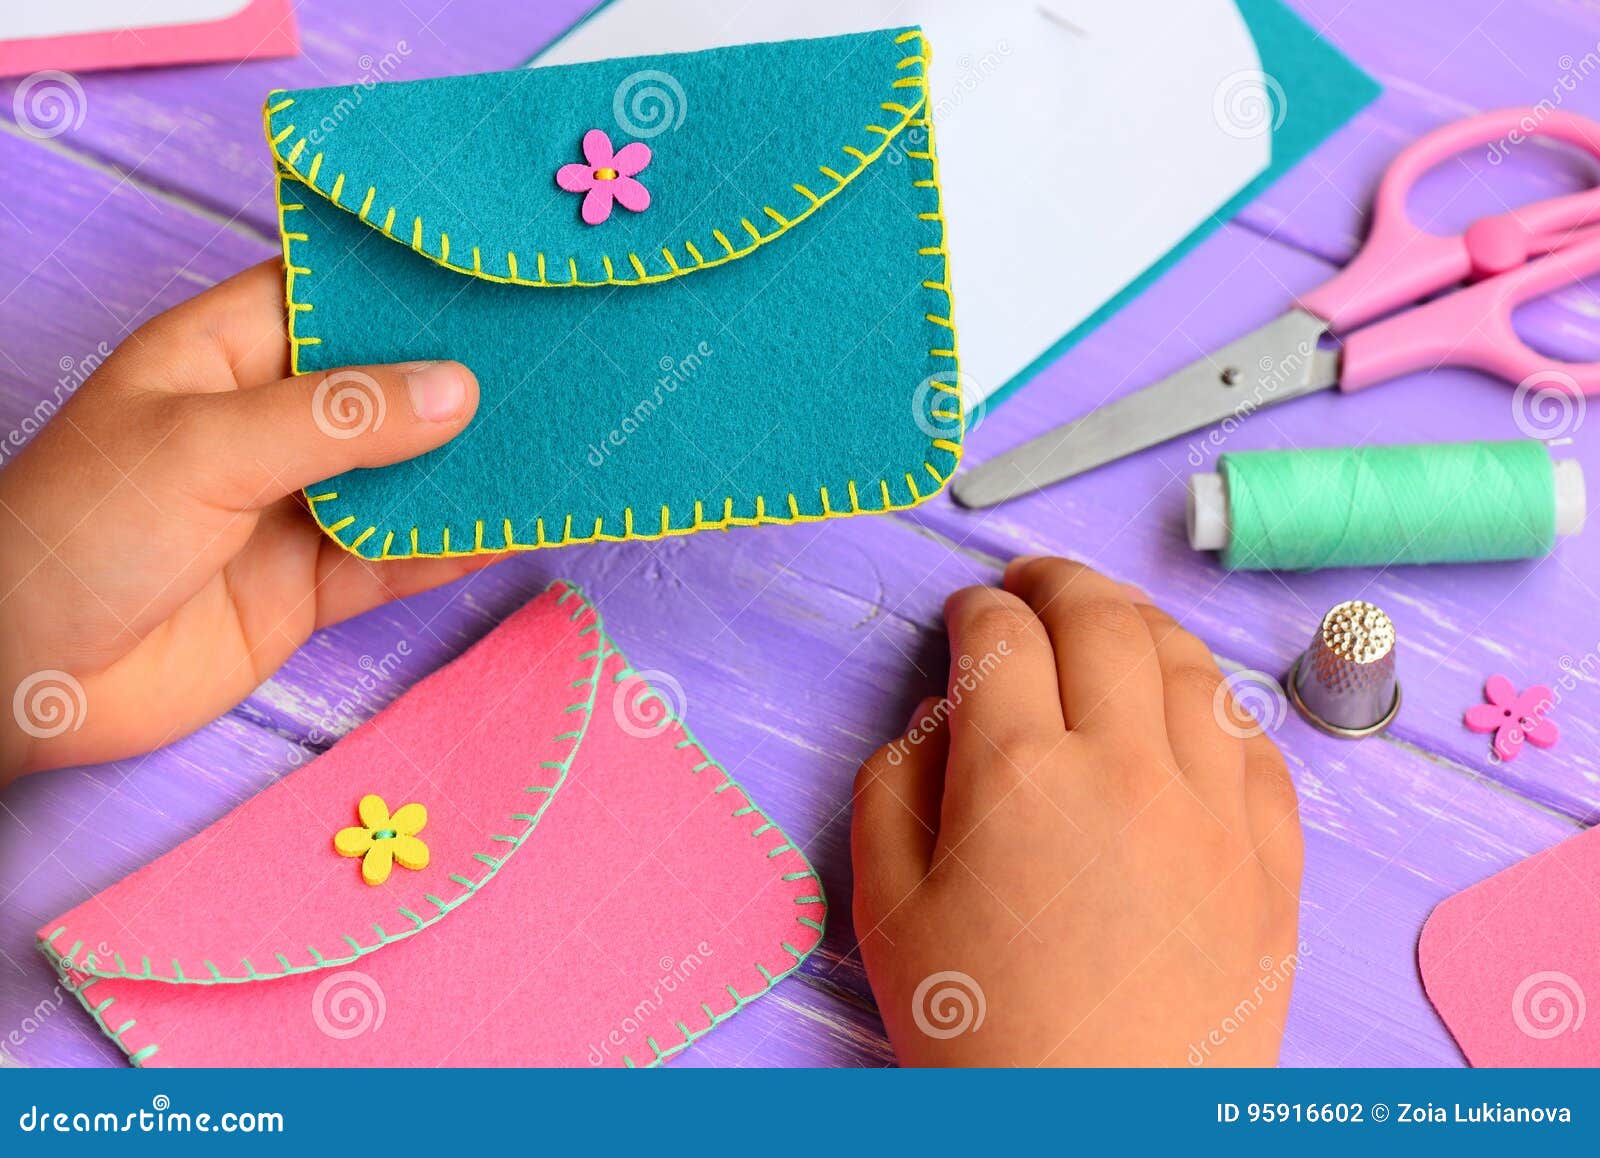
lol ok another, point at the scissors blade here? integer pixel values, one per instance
(1275, 363)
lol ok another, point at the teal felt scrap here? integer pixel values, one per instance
(770, 341)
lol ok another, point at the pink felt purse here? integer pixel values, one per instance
(587, 887)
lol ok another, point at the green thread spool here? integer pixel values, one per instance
(1466, 502)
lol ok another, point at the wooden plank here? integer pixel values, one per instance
(797, 1024)
(85, 256)
(1483, 56)
(196, 131)
(1536, 55)
(66, 835)
(1471, 747)
(1389, 833)
(795, 645)
(801, 649)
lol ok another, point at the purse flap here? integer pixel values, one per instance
(264, 892)
(495, 175)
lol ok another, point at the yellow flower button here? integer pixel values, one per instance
(380, 840)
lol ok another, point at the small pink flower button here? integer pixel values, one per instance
(1514, 716)
(607, 176)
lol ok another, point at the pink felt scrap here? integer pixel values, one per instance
(1513, 963)
(598, 891)
(255, 29)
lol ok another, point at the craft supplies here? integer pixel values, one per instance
(1470, 502)
(53, 41)
(1512, 964)
(1045, 253)
(1514, 258)
(1345, 682)
(594, 888)
(1514, 717)
(607, 175)
(616, 403)
(383, 841)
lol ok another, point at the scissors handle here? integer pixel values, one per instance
(1473, 327)
(1401, 263)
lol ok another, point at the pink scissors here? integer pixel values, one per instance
(1498, 263)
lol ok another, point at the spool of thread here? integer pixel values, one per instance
(1467, 502)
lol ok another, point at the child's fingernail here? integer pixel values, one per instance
(438, 390)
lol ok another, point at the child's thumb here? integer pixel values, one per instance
(272, 440)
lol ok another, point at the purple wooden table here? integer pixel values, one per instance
(802, 648)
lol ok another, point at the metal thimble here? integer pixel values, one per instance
(1345, 682)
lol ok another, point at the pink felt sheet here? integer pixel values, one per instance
(1513, 963)
(646, 901)
(261, 28)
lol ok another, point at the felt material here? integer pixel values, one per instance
(1513, 963)
(600, 892)
(1321, 90)
(760, 343)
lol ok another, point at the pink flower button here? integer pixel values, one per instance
(607, 176)
(1514, 716)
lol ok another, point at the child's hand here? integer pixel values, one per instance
(152, 546)
(1081, 841)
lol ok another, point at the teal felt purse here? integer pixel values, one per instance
(736, 313)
